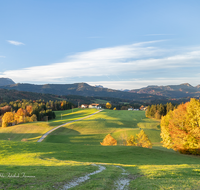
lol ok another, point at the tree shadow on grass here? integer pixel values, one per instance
(20, 136)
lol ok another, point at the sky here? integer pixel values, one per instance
(126, 44)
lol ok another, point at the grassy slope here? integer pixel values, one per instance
(33, 131)
(92, 130)
(54, 164)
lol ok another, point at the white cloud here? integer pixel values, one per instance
(140, 83)
(1, 56)
(15, 43)
(108, 61)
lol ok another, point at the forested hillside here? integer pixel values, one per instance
(81, 89)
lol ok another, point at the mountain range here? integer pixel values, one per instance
(171, 91)
(81, 89)
(148, 93)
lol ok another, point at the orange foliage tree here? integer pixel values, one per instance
(180, 129)
(29, 110)
(108, 141)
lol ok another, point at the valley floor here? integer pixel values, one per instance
(73, 152)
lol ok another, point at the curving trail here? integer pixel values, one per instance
(84, 178)
(122, 183)
(47, 133)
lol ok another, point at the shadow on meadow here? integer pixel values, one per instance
(20, 136)
(40, 177)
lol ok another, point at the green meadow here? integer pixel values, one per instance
(70, 151)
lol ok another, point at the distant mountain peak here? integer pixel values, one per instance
(6, 81)
(152, 86)
(99, 86)
(186, 84)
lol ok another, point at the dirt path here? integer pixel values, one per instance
(122, 183)
(47, 133)
(84, 178)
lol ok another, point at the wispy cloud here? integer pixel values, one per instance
(2, 56)
(16, 43)
(120, 60)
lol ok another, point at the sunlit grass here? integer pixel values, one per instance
(33, 131)
(92, 130)
(56, 164)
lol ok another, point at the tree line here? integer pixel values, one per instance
(159, 110)
(21, 111)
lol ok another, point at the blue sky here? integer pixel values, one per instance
(118, 44)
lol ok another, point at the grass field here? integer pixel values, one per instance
(118, 123)
(69, 152)
(33, 131)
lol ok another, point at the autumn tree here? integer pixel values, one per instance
(131, 141)
(33, 118)
(143, 140)
(29, 110)
(108, 105)
(108, 141)
(7, 118)
(180, 128)
(20, 115)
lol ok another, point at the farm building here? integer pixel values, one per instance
(84, 106)
(94, 106)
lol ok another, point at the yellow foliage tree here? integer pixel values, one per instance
(108, 105)
(33, 118)
(20, 116)
(115, 108)
(131, 141)
(143, 140)
(108, 141)
(7, 118)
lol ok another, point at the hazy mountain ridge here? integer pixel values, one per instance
(82, 89)
(148, 93)
(171, 91)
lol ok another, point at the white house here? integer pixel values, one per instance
(84, 106)
(93, 106)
